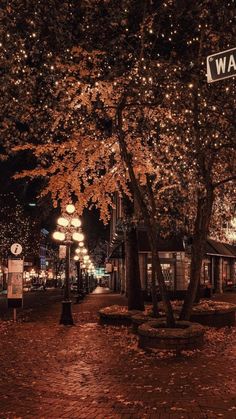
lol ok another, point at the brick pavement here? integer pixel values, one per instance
(89, 371)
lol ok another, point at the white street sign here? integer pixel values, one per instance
(16, 249)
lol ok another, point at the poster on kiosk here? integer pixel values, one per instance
(15, 283)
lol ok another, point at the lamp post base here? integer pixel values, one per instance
(66, 314)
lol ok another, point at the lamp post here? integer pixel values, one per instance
(84, 264)
(68, 230)
(80, 294)
(81, 251)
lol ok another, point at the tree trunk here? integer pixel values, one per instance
(153, 288)
(134, 290)
(135, 298)
(201, 229)
(147, 217)
(198, 293)
(163, 291)
(198, 248)
(160, 278)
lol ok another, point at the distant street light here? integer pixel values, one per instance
(67, 232)
(85, 268)
(78, 258)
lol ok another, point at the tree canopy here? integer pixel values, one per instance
(179, 131)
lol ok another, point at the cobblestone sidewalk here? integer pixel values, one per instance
(89, 371)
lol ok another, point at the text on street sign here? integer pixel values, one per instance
(221, 65)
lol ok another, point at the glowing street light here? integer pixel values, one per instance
(67, 226)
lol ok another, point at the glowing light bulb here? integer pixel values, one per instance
(75, 222)
(79, 237)
(70, 208)
(62, 222)
(58, 235)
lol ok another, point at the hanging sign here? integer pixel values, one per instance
(109, 267)
(221, 65)
(62, 251)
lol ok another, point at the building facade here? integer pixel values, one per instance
(218, 268)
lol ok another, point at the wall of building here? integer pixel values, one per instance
(217, 271)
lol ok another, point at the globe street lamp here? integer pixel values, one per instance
(80, 252)
(68, 230)
(87, 264)
(84, 264)
(80, 293)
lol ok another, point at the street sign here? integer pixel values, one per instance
(16, 249)
(221, 65)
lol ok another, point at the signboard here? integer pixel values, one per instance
(62, 251)
(109, 267)
(15, 265)
(15, 283)
(100, 272)
(16, 249)
(221, 65)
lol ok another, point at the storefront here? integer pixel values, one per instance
(218, 268)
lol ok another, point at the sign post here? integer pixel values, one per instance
(221, 65)
(15, 280)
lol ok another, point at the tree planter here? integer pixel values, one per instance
(215, 318)
(155, 335)
(139, 319)
(117, 315)
(210, 313)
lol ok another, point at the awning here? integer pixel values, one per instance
(174, 244)
(220, 249)
(117, 252)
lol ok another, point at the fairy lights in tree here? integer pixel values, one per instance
(140, 84)
(17, 227)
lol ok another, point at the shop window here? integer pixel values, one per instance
(226, 273)
(206, 273)
(168, 271)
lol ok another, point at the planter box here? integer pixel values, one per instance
(138, 320)
(209, 312)
(216, 318)
(155, 335)
(117, 315)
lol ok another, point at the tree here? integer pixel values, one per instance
(17, 227)
(132, 105)
(100, 173)
(32, 37)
